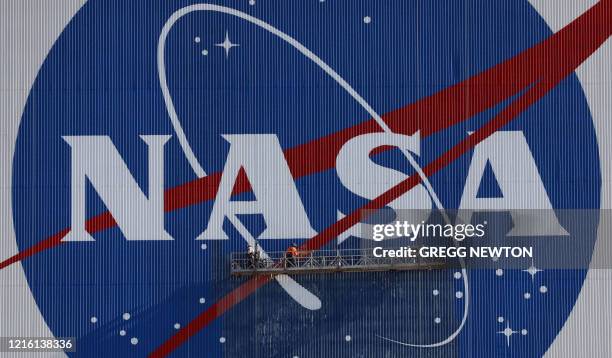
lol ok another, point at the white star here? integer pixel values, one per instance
(532, 270)
(227, 44)
(508, 332)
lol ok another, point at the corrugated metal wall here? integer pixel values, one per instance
(312, 75)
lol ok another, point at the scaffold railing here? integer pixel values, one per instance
(325, 261)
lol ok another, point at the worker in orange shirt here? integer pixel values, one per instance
(291, 254)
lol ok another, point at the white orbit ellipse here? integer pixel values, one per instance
(197, 168)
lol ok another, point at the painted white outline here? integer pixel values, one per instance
(197, 168)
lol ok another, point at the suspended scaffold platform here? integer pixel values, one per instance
(325, 261)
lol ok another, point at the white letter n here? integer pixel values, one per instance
(96, 159)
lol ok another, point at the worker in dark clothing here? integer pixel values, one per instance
(252, 256)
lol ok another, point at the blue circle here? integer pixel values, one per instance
(101, 78)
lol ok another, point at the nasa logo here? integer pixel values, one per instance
(210, 123)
